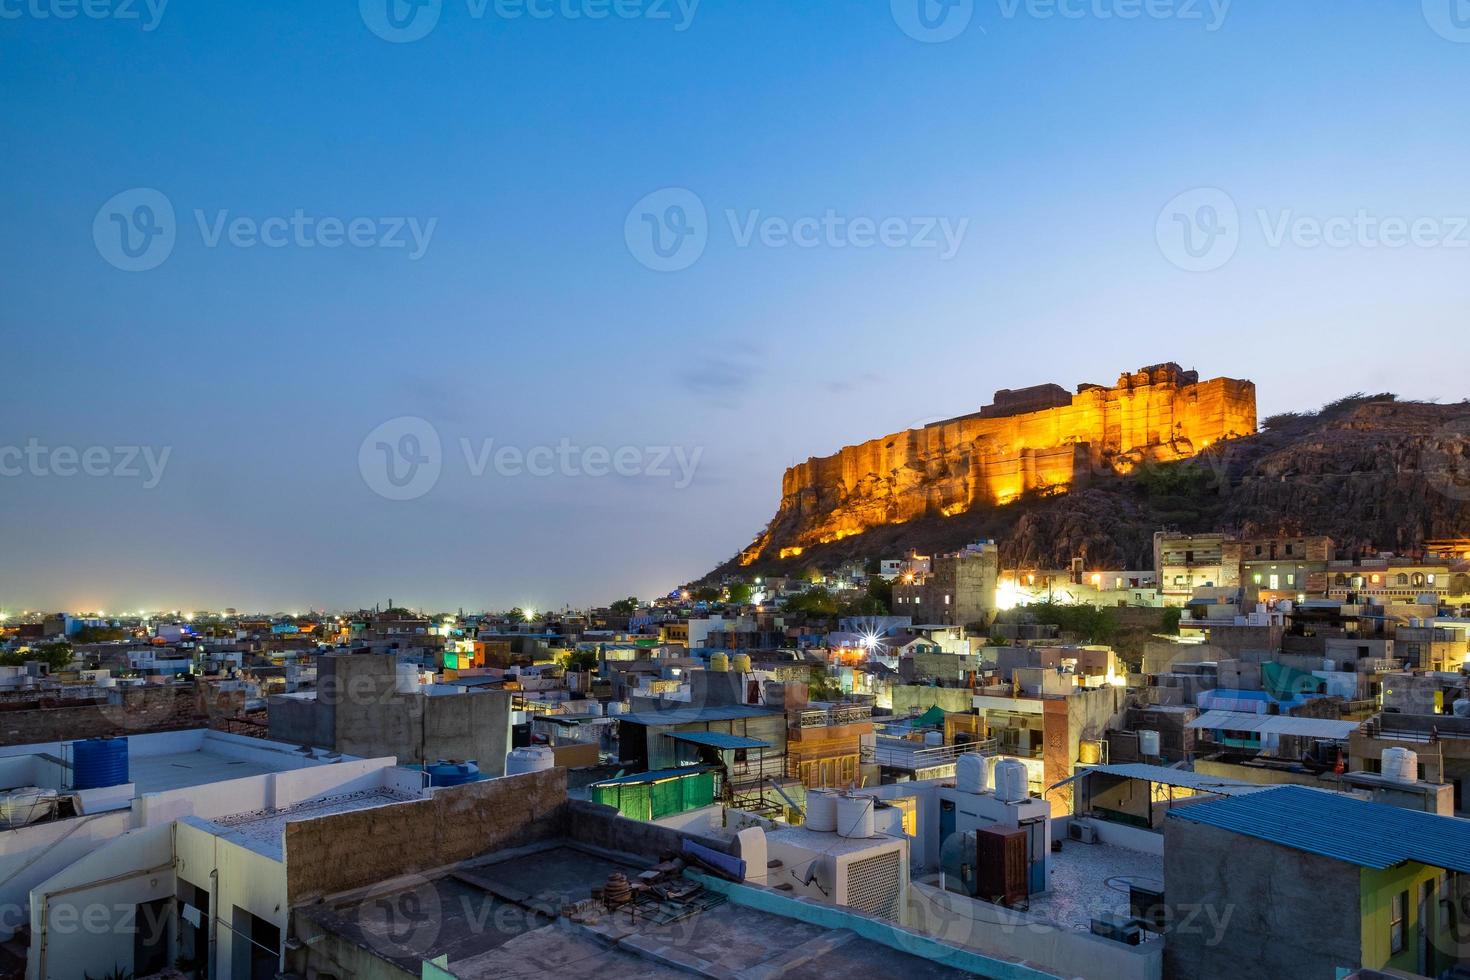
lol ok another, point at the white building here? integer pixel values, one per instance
(181, 861)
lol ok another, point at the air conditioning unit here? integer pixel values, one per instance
(1119, 928)
(1084, 832)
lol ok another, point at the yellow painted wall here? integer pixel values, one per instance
(1377, 891)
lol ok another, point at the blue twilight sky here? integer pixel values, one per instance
(1053, 142)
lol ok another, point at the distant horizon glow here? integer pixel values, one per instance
(288, 331)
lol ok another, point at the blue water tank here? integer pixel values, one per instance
(99, 762)
(444, 773)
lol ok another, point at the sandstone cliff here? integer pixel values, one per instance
(1367, 471)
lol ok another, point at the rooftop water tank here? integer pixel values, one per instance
(888, 820)
(821, 811)
(99, 762)
(617, 708)
(1012, 784)
(719, 662)
(1401, 764)
(742, 663)
(1461, 707)
(971, 774)
(531, 758)
(855, 816)
(406, 678)
(449, 773)
(1148, 744)
(933, 739)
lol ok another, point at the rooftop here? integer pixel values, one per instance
(501, 917)
(263, 831)
(1091, 880)
(1245, 721)
(1370, 835)
(685, 716)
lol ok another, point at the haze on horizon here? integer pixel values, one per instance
(516, 160)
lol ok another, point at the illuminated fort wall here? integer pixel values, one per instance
(994, 456)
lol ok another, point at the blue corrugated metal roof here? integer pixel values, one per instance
(656, 776)
(1168, 777)
(719, 740)
(684, 716)
(1370, 835)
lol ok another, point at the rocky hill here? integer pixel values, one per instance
(1367, 470)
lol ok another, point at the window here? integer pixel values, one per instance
(946, 598)
(1291, 578)
(1288, 549)
(1396, 909)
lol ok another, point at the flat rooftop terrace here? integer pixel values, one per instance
(1091, 880)
(502, 916)
(180, 770)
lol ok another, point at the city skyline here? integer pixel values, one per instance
(446, 229)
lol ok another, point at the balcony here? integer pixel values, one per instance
(845, 714)
(898, 753)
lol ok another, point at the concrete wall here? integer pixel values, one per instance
(456, 824)
(358, 710)
(1002, 932)
(128, 710)
(84, 919)
(246, 880)
(1248, 908)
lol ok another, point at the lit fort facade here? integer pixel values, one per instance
(1039, 438)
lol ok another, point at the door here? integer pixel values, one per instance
(1426, 925)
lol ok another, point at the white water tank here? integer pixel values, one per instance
(821, 810)
(888, 820)
(406, 678)
(531, 758)
(592, 706)
(1148, 744)
(933, 739)
(1401, 764)
(617, 708)
(855, 816)
(971, 774)
(1012, 784)
(1461, 707)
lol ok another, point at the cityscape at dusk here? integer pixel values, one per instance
(557, 489)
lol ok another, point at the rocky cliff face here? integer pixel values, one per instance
(1367, 472)
(1035, 441)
